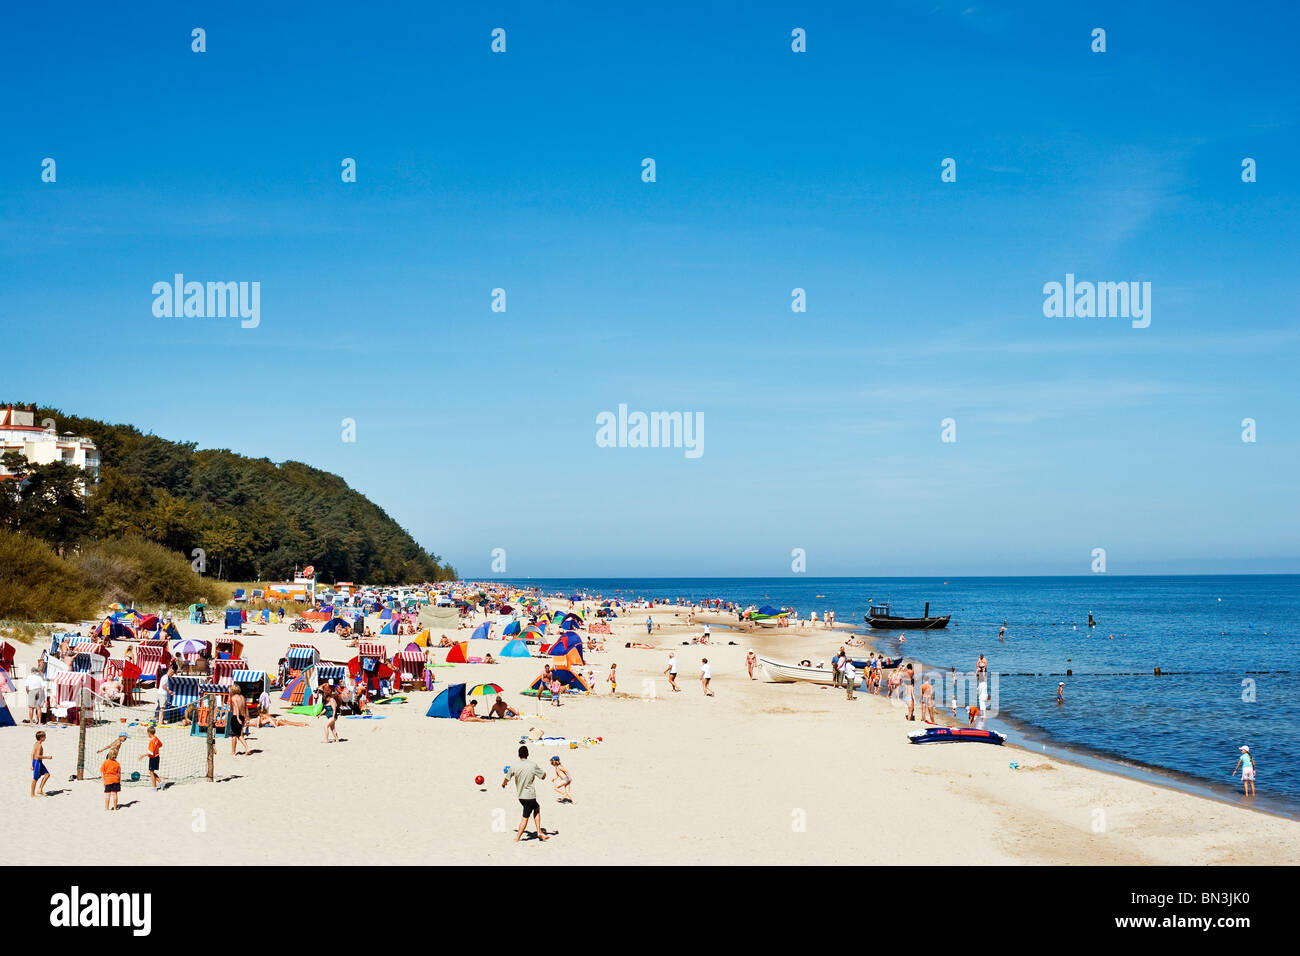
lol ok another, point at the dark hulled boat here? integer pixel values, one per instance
(882, 620)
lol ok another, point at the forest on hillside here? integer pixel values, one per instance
(253, 519)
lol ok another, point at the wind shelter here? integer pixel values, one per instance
(511, 629)
(390, 627)
(515, 648)
(459, 653)
(449, 703)
(333, 624)
(423, 639)
(302, 689)
(481, 632)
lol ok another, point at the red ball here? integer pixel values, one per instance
(479, 779)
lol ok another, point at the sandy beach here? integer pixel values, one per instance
(760, 773)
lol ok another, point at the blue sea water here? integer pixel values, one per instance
(1226, 646)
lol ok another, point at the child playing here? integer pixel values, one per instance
(562, 780)
(39, 773)
(556, 688)
(613, 678)
(111, 771)
(155, 747)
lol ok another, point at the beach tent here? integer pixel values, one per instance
(147, 623)
(481, 632)
(169, 632)
(422, 639)
(571, 620)
(386, 614)
(449, 703)
(333, 624)
(515, 648)
(389, 627)
(512, 628)
(114, 630)
(572, 683)
(572, 660)
(459, 653)
(6, 718)
(566, 642)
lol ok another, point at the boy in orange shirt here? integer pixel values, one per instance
(111, 771)
(155, 748)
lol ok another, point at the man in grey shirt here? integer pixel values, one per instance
(523, 774)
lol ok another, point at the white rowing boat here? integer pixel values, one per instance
(797, 673)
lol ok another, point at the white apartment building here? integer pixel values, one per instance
(19, 432)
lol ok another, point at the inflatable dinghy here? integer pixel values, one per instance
(948, 734)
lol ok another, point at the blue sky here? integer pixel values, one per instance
(775, 170)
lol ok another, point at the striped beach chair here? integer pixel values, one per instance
(252, 683)
(372, 650)
(331, 672)
(409, 665)
(182, 691)
(299, 658)
(222, 670)
(221, 701)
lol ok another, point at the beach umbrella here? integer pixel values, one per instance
(189, 647)
(483, 690)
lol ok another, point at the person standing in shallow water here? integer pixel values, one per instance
(1246, 763)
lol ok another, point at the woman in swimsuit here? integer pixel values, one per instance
(331, 713)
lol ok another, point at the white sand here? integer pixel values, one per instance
(760, 773)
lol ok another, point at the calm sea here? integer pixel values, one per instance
(1225, 646)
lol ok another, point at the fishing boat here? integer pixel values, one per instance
(881, 619)
(797, 673)
(956, 734)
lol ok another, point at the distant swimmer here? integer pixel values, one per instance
(1091, 622)
(1002, 634)
(1060, 692)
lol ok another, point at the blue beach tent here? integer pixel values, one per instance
(511, 628)
(449, 703)
(481, 632)
(515, 648)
